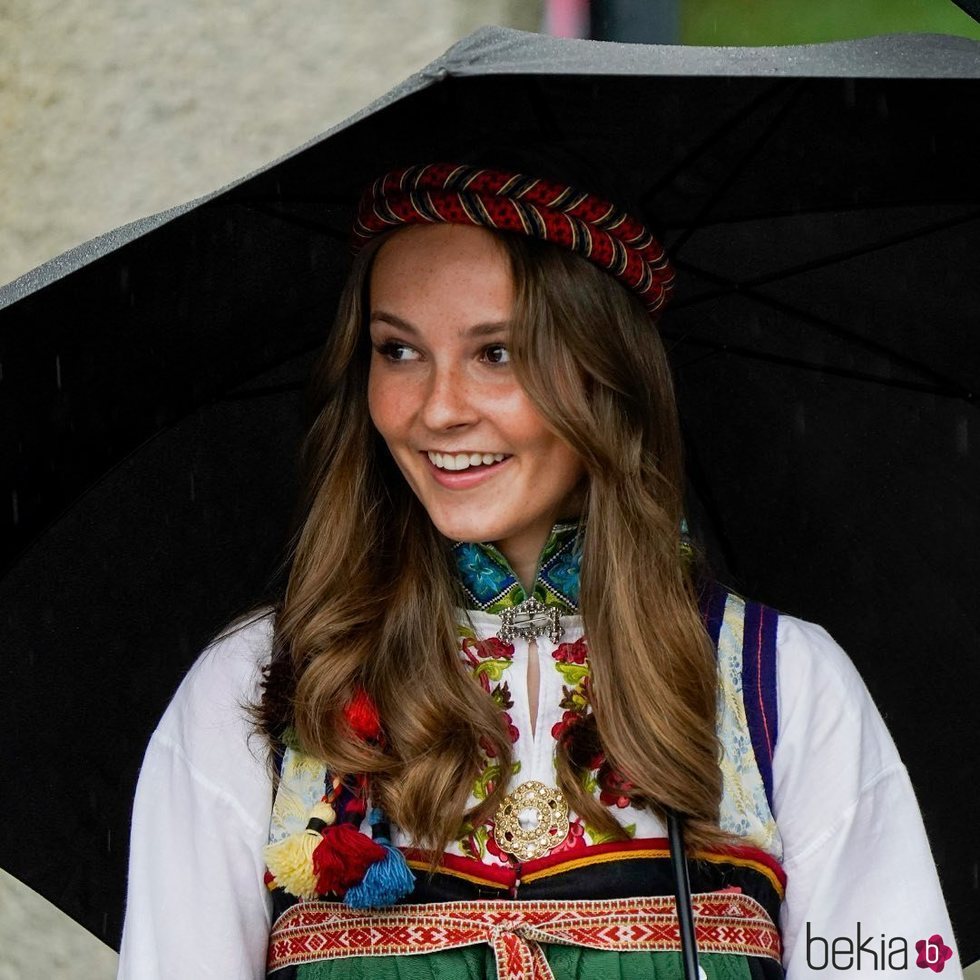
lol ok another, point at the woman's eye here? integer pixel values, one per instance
(394, 351)
(497, 354)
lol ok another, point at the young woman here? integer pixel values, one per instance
(496, 674)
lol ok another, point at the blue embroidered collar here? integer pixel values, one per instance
(489, 583)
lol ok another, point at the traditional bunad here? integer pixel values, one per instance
(535, 892)
(847, 851)
(828, 829)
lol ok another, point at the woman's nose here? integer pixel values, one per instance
(449, 401)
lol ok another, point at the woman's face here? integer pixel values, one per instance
(443, 394)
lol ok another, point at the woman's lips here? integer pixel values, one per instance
(464, 479)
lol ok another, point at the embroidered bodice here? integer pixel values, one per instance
(493, 591)
(502, 668)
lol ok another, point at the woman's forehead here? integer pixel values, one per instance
(445, 243)
(442, 273)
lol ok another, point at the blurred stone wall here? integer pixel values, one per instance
(111, 110)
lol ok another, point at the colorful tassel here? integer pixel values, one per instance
(362, 716)
(386, 881)
(291, 860)
(342, 857)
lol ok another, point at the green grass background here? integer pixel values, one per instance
(757, 22)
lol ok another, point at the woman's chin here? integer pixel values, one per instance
(475, 531)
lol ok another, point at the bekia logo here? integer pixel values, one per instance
(933, 953)
(870, 951)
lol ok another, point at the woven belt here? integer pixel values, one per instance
(725, 922)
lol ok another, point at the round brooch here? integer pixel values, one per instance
(531, 821)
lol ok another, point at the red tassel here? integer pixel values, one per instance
(342, 857)
(362, 716)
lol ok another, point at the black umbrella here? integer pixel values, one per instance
(822, 209)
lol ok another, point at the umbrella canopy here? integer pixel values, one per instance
(822, 210)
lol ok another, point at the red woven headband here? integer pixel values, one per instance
(589, 226)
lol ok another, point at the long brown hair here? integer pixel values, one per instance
(371, 598)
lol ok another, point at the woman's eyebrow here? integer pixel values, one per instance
(382, 316)
(491, 328)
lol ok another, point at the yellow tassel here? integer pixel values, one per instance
(325, 812)
(291, 859)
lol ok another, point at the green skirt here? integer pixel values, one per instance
(567, 963)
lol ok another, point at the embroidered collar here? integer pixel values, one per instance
(490, 584)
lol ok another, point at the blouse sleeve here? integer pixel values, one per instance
(196, 904)
(858, 864)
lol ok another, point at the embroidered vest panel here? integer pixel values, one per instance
(744, 634)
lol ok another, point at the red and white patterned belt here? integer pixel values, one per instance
(725, 922)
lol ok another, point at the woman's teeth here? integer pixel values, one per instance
(463, 461)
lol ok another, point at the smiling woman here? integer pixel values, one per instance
(499, 685)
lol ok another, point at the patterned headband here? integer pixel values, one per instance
(587, 225)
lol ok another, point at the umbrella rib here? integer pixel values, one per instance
(762, 217)
(828, 260)
(719, 133)
(712, 350)
(737, 169)
(834, 329)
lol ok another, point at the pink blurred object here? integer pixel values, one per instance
(567, 18)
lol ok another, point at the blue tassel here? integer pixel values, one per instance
(386, 880)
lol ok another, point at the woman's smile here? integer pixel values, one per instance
(449, 460)
(463, 471)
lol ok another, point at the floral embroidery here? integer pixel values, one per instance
(489, 584)
(487, 779)
(572, 655)
(562, 727)
(744, 808)
(575, 839)
(485, 578)
(564, 573)
(473, 841)
(492, 847)
(614, 787)
(488, 659)
(572, 662)
(501, 697)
